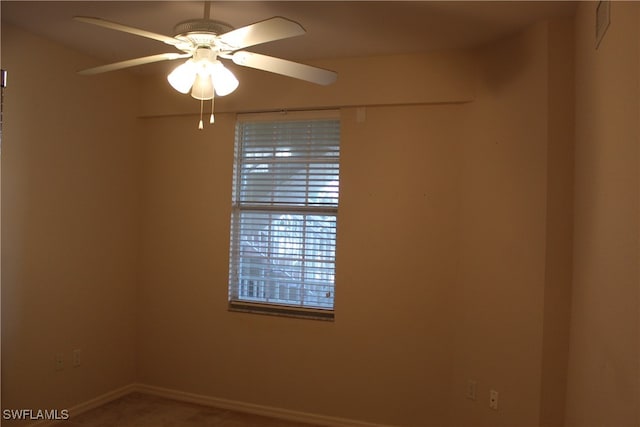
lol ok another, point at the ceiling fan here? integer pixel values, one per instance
(204, 42)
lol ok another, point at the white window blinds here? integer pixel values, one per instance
(285, 201)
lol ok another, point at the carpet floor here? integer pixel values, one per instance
(141, 410)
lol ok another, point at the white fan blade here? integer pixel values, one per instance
(284, 67)
(119, 27)
(261, 32)
(133, 62)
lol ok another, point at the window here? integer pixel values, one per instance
(283, 225)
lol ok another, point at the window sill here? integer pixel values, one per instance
(281, 310)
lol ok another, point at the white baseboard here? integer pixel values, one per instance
(269, 411)
(101, 400)
(90, 404)
(214, 402)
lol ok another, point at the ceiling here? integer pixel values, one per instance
(334, 28)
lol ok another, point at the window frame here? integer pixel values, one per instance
(235, 302)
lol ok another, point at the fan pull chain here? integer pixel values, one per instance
(200, 125)
(212, 119)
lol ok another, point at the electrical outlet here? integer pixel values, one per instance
(471, 390)
(59, 362)
(77, 357)
(493, 400)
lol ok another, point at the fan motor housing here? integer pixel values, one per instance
(199, 26)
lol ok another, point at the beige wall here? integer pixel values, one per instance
(509, 210)
(69, 227)
(386, 356)
(603, 381)
(398, 189)
(559, 222)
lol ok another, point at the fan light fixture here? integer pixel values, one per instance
(201, 75)
(204, 76)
